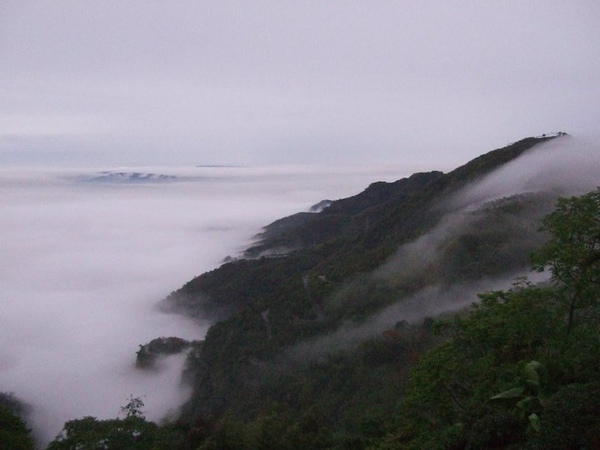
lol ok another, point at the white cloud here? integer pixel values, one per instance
(83, 266)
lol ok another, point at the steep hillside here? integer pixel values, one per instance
(352, 236)
(312, 273)
(359, 326)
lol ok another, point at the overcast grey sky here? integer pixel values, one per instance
(430, 84)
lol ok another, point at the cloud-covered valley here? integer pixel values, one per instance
(84, 264)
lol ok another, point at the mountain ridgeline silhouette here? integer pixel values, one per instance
(318, 283)
(351, 236)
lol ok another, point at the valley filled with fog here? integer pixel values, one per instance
(142, 146)
(86, 255)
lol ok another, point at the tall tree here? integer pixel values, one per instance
(572, 252)
(14, 433)
(133, 432)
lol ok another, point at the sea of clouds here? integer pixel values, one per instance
(83, 264)
(86, 255)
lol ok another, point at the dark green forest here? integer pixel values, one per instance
(359, 327)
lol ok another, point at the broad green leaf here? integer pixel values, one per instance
(528, 404)
(534, 421)
(511, 393)
(531, 370)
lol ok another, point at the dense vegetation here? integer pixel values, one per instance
(518, 369)
(343, 266)
(130, 432)
(352, 236)
(307, 350)
(14, 434)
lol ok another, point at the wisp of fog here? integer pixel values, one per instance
(562, 167)
(84, 264)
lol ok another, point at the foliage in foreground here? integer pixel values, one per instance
(14, 433)
(132, 432)
(521, 370)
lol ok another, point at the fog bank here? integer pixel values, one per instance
(83, 265)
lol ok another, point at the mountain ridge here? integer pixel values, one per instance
(372, 222)
(306, 278)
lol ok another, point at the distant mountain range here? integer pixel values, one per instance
(131, 177)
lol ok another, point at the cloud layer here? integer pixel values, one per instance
(83, 265)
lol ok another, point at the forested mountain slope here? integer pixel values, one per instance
(311, 274)
(352, 236)
(356, 327)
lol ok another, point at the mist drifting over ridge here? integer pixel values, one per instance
(83, 266)
(565, 166)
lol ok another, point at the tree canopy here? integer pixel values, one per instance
(572, 252)
(133, 432)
